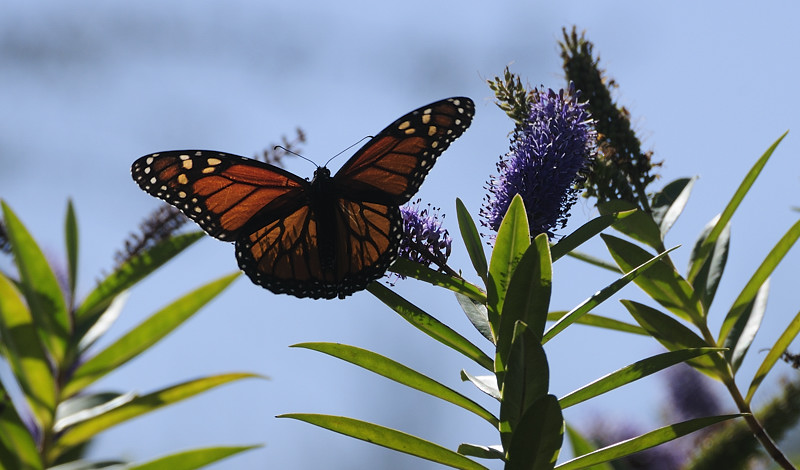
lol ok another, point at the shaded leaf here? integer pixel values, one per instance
(389, 438)
(472, 240)
(707, 279)
(482, 452)
(581, 446)
(477, 314)
(537, 439)
(423, 273)
(599, 321)
(528, 295)
(74, 410)
(668, 204)
(71, 239)
(638, 225)
(586, 232)
(17, 448)
(783, 342)
(745, 329)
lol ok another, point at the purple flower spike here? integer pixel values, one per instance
(424, 240)
(544, 163)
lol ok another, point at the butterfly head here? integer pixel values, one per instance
(321, 174)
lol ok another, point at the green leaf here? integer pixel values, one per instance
(745, 329)
(145, 334)
(599, 321)
(594, 261)
(25, 354)
(670, 333)
(537, 439)
(430, 325)
(773, 355)
(645, 441)
(661, 282)
(472, 240)
(528, 295)
(705, 249)
(631, 373)
(399, 373)
(191, 459)
(482, 452)
(85, 430)
(639, 225)
(125, 276)
(573, 315)
(389, 438)
(104, 321)
(525, 381)
(423, 273)
(668, 204)
(485, 383)
(513, 238)
(581, 446)
(40, 288)
(17, 448)
(586, 232)
(83, 407)
(707, 279)
(477, 314)
(87, 465)
(71, 238)
(748, 293)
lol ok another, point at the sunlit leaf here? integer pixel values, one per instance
(17, 448)
(705, 249)
(668, 203)
(399, 373)
(599, 321)
(707, 279)
(485, 383)
(581, 446)
(638, 225)
(423, 273)
(477, 314)
(40, 288)
(645, 441)
(191, 459)
(482, 452)
(389, 438)
(146, 334)
(586, 232)
(472, 240)
(773, 355)
(71, 239)
(744, 331)
(429, 325)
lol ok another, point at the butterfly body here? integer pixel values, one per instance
(325, 238)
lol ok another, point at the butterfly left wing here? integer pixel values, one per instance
(391, 167)
(221, 192)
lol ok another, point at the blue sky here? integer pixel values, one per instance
(87, 87)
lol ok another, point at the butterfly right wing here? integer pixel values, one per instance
(224, 193)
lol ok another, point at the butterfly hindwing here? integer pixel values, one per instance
(220, 191)
(393, 164)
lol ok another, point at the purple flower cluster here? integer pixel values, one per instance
(544, 163)
(424, 239)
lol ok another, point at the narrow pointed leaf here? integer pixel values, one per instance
(744, 331)
(668, 204)
(389, 438)
(752, 287)
(599, 321)
(423, 273)
(661, 282)
(671, 333)
(707, 279)
(783, 342)
(586, 232)
(482, 452)
(581, 446)
(40, 288)
(399, 373)
(71, 238)
(639, 225)
(485, 383)
(430, 325)
(84, 407)
(104, 321)
(128, 274)
(645, 441)
(85, 430)
(584, 307)
(191, 459)
(472, 240)
(24, 352)
(594, 261)
(538, 437)
(513, 238)
(705, 249)
(477, 314)
(146, 334)
(631, 373)
(17, 448)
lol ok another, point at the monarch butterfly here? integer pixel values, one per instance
(325, 238)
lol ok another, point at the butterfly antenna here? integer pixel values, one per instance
(294, 153)
(348, 148)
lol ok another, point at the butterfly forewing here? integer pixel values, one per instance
(219, 191)
(393, 164)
